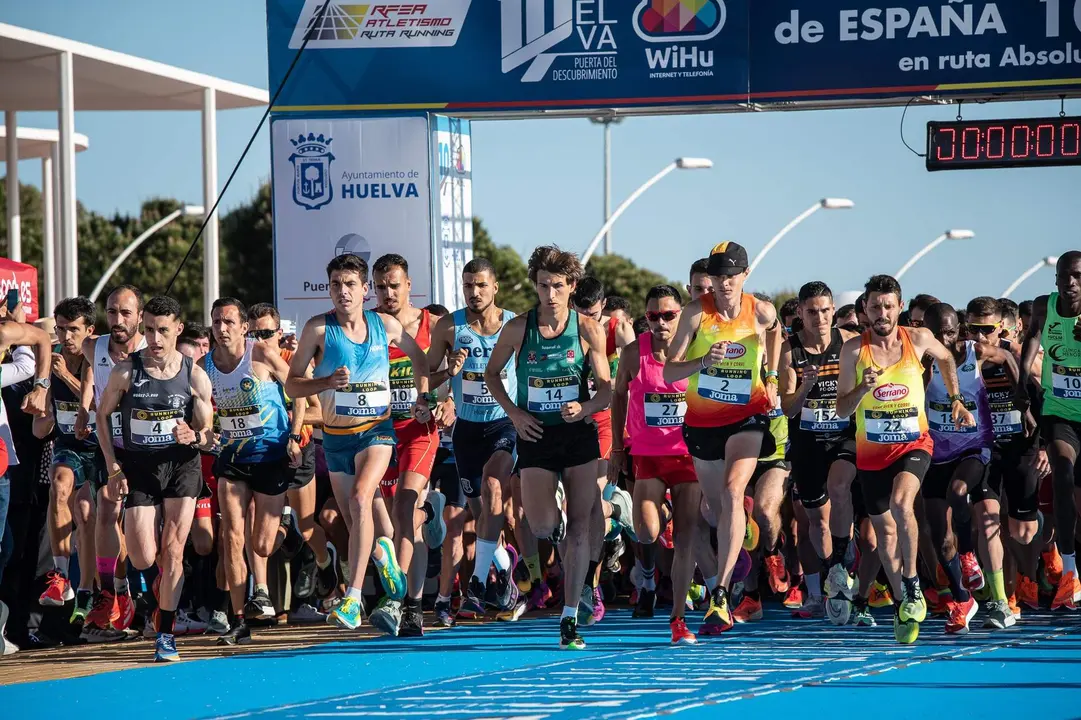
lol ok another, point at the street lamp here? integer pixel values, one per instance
(1049, 261)
(823, 204)
(948, 235)
(186, 211)
(607, 121)
(688, 163)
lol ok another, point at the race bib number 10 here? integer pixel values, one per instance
(1066, 382)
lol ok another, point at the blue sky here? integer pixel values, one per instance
(540, 181)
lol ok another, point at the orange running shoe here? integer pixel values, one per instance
(880, 596)
(1015, 609)
(938, 601)
(793, 600)
(125, 610)
(680, 634)
(1028, 592)
(752, 534)
(778, 573)
(1069, 592)
(748, 610)
(1052, 565)
(58, 591)
(971, 573)
(941, 578)
(105, 610)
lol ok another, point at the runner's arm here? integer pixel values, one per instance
(44, 424)
(15, 334)
(624, 337)
(119, 382)
(279, 370)
(202, 410)
(849, 399)
(1030, 349)
(594, 336)
(300, 383)
(509, 343)
(793, 395)
(767, 318)
(437, 351)
(922, 338)
(19, 368)
(675, 367)
(620, 398)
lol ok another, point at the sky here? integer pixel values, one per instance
(540, 181)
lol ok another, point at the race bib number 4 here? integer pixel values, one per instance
(550, 394)
(66, 415)
(240, 423)
(362, 400)
(1066, 382)
(732, 387)
(940, 418)
(820, 416)
(475, 390)
(154, 428)
(898, 426)
(665, 409)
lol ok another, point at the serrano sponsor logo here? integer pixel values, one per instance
(890, 392)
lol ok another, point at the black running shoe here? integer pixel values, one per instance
(569, 639)
(305, 584)
(259, 607)
(239, 634)
(412, 622)
(647, 601)
(293, 541)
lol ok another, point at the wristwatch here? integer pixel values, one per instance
(42, 383)
(296, 438)
(957, 398)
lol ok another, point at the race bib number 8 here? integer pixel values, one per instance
(153, 428)
(665, 409)
(550, 394)
(475, 390)
(240, 423)
(899, 426)
(820, 416)
(362, 400)
(940, 418)
(732, 387)
(1066, 382)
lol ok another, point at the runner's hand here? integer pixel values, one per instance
(1030, 424)
(870, 378)
(1042, 464)
(294, 452)
(339, 379)
(572, 411)
(717, 352)
(421, 412)
(445, 414)
(117, 487)
(526, 425)
(810, 376)
(34, 402)
(455, 362)
(184, 434)
(1021, 399)
(771, 394)
(82, 423)
(962, 418)
(616, 464)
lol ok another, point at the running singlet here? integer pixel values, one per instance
(732, 391)
(403, 390)
(655, 409)
(365, 402)
(472, 400)
(1061, 378)
(551, 372)
(66, 411)
(103, 367)
(890, 420)
(951, 443)
(254, 422)
(1005, 417)
(817, 420)
(306, 431)
(778, 428)
(151, 408)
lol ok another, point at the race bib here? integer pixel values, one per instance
(115, 423)
(240, 423)
(940, 418)
(890, 428)
(402, 399)
(475, 390)
(362, 400)
(820, 416)
(1066, 382)
(154, 428)
(66, 415)
(1006, 420)
(665, 409)
(732, 387)
(550, 394)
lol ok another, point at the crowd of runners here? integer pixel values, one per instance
(412, 467)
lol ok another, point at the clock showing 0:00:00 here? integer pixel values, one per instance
(1032, 142)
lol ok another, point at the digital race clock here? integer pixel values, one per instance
(975, 144)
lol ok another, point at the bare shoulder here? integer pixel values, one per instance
(847, 335)
(765, 311)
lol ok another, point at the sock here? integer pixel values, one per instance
(224, 604)
(569, 611)
(1069, 563)
(323, 566)
(608, 525)
(165, 621)
(61, 563)
(501, 558)
(998, 585)
(120, 585)
(382, 561)
(485, 551)
(261, 587)
(953, 572)
(616, 513)
(711, 583)
(860, 602)
(814, 585)
(591, 572)
(840, 547)
(534, 564)
(444, 599)
(649, 580)
(106, 570)
(410, 602)
(355, 593)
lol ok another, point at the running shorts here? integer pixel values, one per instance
(707, 443)
(174, 472)
(445, 479)
(1067, 431)
(811, 463)
(561, 446)
(672, 470)
(87, 465)
(341, 450)
(1012, 471)
(302, 475)
(474, 444)
(416, 449)
(266, 478)
(207, 504)
(877, 485)
(970, 467)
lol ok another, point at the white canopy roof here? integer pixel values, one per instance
(38, 142)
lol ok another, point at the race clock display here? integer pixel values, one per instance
(1033, 142)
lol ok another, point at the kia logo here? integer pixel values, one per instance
(735, 350)
(890, 392)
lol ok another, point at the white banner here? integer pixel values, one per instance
(350, 185)
(455, 203)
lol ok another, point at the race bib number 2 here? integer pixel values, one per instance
(732, 387)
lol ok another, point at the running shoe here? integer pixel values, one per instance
(748, 610)
(814, 608)
(125, 611)
(680, 634)
(961, 613)
(84, 603)
(1068, 594)
(939, 600)
(165, 648)
(219, 623)
(293, 541)
(622, 500)
(94, 634)
(793, 599)
(614, 554)
(751, 534)
(838, 610)
(6, 646)
(101, 616)
(999, 615)
(1015, 609)
(1052, 565)
(1028, 592)
(387, 616)
(304, 586)
(905, 632)
(434, 531)
(240, 634)
(307, 614)
(390, 574)
(569, 639)
(259, 607)
(539, 596)
(971, 574)
(839, 583)
(506, 589)
(778, 573)
(412, 622)
(560, 531)
(515, 613)
(187, 625)
(473, 601)
(348, 615)
(861, 616)
(443, 616)
(647, 601)
(58, 590)
(522, 578)
(719, 615)
(585, 607)
(696, 596)
(913, 606)
(880, 596)
(598, 605)
(326, 579)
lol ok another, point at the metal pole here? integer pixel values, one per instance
(607, 184)
(776, 238)
(48, 249)
(15, 242)
(619, 210)
(1023, 277)
(58, 250)
(68, 226)
(132, 246)
(210, 194)
(915, 258)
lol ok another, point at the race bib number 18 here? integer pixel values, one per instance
(240, 423)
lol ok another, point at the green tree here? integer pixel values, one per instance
(623, 278)
(780, 297)
(515, 291)
(247, 240)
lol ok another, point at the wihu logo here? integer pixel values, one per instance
(529, 29)
(312, 187)
(674, 22)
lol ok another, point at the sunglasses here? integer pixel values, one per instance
(264, 334)
(916, 323)
(667, 316)
(982, 329)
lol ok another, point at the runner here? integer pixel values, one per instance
(166, 416)
(722, 343)
(1054, 326)
(352, 380)
(650, 412)
(258, 451)
(917, 308)
(881, 380)
(550, 346)
(823, 445)
(700, 283)
(114, 609)
(483, 438)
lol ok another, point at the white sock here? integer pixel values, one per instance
(442, 599)
(61, 564)
(569, 611)
(263, 587)
(485, 551)
(814, 584)
(355, 593)
(120, 585)
(712, 583)
(1069, 563)
(501, 558)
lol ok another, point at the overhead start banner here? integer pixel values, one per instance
(494, 55)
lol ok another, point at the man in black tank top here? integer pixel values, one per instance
(166, 413)
(823, 447)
